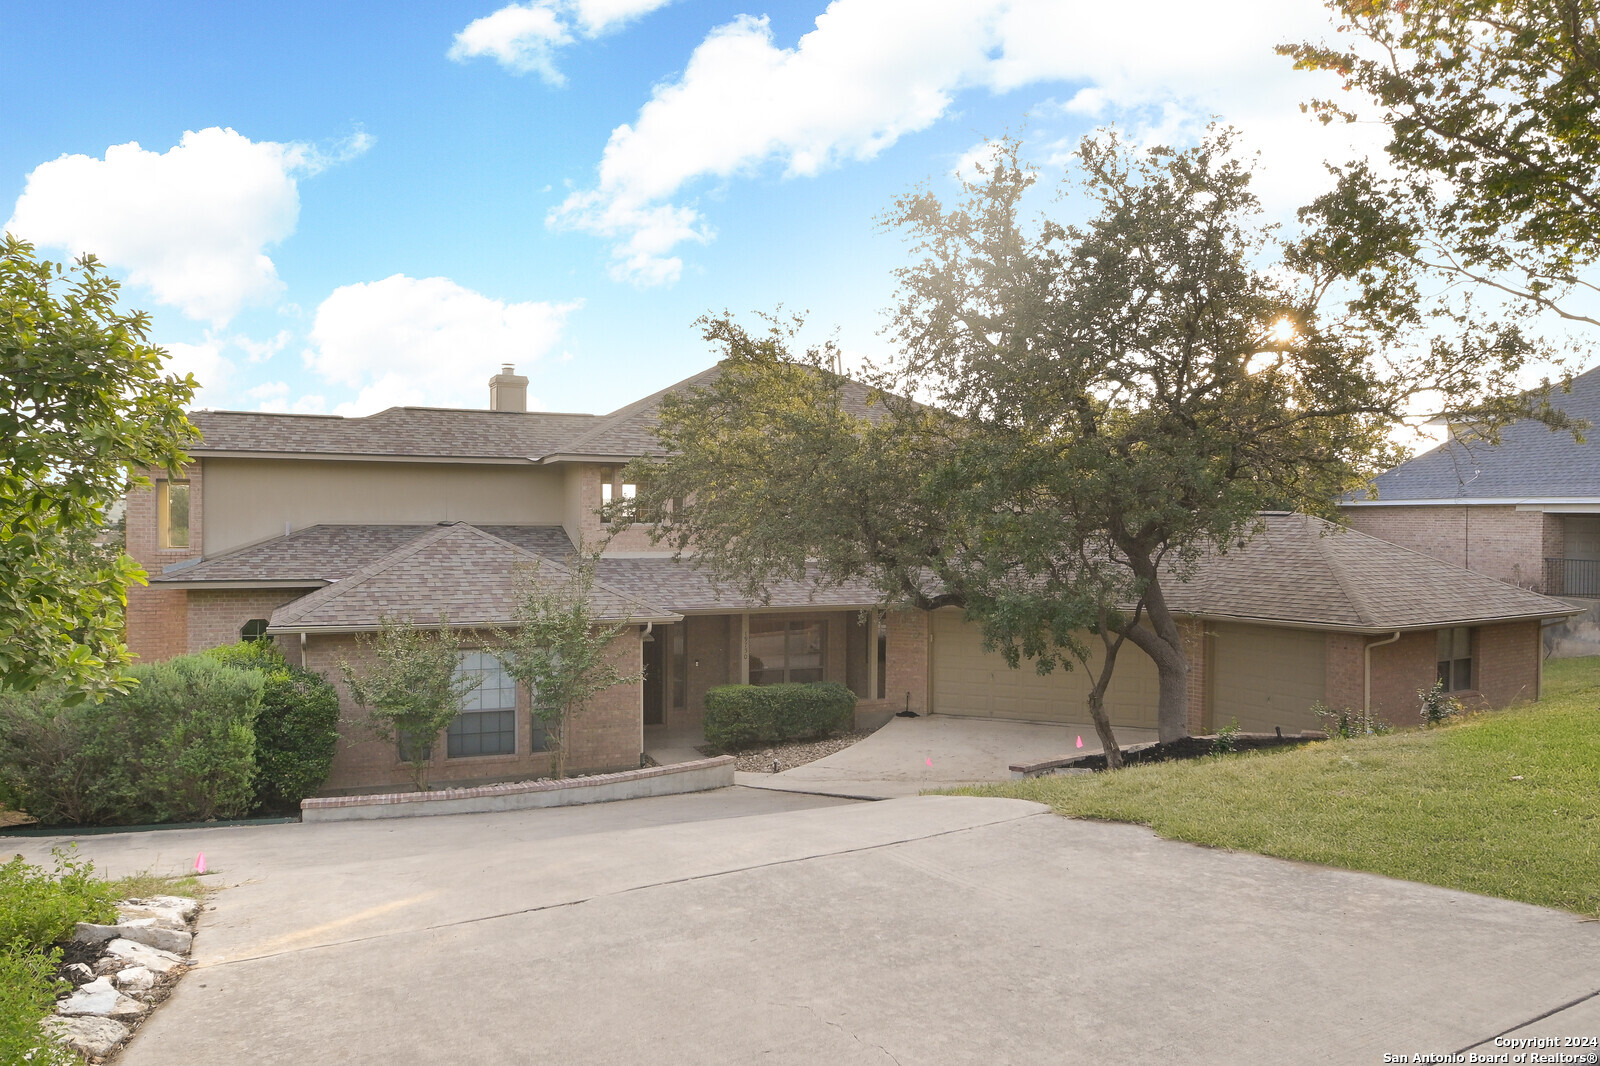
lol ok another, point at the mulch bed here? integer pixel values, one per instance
(1184, 748)
(780, 757)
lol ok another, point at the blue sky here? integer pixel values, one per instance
(335, 207)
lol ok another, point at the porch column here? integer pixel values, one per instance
(744, 649)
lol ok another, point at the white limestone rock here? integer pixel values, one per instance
(89, 1034)
(135, 979)
(101, 997)
(186, 908)
(164, 917)
(78, 973)
(140, 930)
(120, 954)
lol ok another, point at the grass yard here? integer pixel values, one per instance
(1506, 803)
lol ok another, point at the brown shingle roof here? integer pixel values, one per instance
(1305, 571)
(413, 432)
(457, 571)
(319, 554)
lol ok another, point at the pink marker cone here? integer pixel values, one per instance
(1080, 741)
(200, 864)
(930, 762)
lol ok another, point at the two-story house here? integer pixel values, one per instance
(1525, 510)
(312, 529)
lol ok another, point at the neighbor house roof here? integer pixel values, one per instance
(454, 571)
(1299, 570)
(1532, 463)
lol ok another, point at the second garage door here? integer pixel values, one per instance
(970, 681)
(1266, 677)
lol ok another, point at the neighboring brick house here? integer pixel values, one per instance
(311, 529)
(1525, 510)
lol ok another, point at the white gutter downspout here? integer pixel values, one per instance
(1366, 701)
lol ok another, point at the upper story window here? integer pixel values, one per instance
(616, 499)
(1455, 659)
(172, 513)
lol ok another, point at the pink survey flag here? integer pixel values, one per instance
(1080, 741)
(930, 762)
(200, 863)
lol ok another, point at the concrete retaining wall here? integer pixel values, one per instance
(697, 776)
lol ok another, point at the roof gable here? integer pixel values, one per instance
(455, 571)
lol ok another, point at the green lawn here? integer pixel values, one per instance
(1506, 803)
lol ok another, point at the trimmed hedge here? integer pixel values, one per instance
(744, 716)
(177, 747)
(297, 728)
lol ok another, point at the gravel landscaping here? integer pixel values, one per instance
(780, 757)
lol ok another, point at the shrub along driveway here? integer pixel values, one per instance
(742, 926)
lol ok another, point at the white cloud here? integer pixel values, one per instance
(873, 71)
(191, 224)
(523, 38)
(211, 369)
(425, 341)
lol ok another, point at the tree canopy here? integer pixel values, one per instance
(85, 409)
(1075, 414)
(1494, 111)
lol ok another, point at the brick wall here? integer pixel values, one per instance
(609, 736)
(1506, 661)
(1498, 541)
(583, 505)
(214, 618)
(906, 666)
(156, 620)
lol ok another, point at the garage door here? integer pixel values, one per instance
(1266, 677)
(967, 680)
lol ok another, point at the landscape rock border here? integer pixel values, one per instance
(120, 972)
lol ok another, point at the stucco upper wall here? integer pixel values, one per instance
(248, 500)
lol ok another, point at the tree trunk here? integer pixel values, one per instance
(1163, 642)
(1097, 705)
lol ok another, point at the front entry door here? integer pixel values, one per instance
(655, 674)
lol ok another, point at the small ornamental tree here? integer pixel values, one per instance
(410, 688)
(85, 408)
(560, 648)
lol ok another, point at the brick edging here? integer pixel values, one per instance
(514, 788)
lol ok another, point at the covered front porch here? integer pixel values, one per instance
(880, 656)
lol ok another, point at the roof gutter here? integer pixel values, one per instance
(1366, 698)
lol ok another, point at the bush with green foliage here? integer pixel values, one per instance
(178, 746)
(28, 987)
(1438, 706)
(1346, 723)
(743, 716)
(39, 909)
(297, 728)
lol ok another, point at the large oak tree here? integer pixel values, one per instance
(1075, 415)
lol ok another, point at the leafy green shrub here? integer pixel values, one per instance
(179, 746)
(1438, 705)
(1346, 722)
(1227, 739)
(742, 716)
(40, 908)
(297, 728)
(28, 985)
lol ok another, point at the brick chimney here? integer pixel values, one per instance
(508, 391)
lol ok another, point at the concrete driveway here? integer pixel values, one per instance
(909, 755)
(743, 926)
